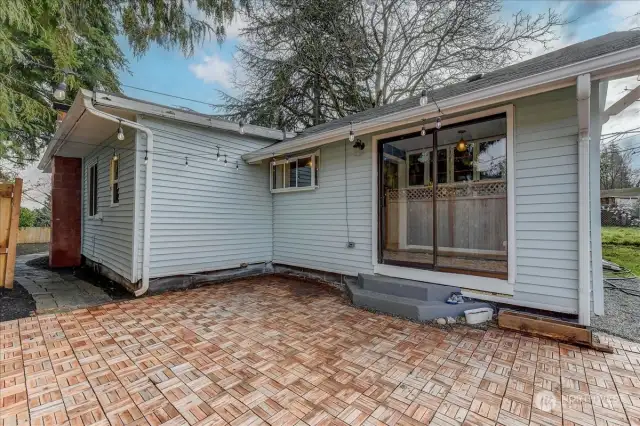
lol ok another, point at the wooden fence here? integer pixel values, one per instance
(10, 196)
(34, 235)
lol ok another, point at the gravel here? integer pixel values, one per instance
(621, 309)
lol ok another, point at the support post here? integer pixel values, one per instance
(583, 92)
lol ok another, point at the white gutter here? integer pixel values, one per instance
(146, 244)
(549, 80)
(583, 96)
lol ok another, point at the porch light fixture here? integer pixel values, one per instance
(461, 146)
(423, 97)
(120, 132)
(61, 91)
(359, 145)
(218, 154)
(438, 123)
(352, 136)
(241, 127)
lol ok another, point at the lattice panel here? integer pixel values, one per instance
(445, 191)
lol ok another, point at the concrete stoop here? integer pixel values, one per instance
(410, 299)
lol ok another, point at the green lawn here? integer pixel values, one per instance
(618, 235)
(621, 245)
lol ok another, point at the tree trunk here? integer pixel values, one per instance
(316, 101)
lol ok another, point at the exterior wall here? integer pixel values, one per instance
(206, 216)
(546, 153)
(310, 227)
(66, 184)
(107, 239)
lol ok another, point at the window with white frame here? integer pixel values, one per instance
(93, 190)
(115, 179)
(295, 173)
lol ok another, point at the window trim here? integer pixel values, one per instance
(113, 181)
(90, 167)
(314, 156)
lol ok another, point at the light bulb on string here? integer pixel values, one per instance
(352, 135)
(423, 97)
(423, 131)
(438, 123)
(241, 127)
(61, 90)
(120, 131)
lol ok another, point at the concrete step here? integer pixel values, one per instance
(406, 288)
(421, 310)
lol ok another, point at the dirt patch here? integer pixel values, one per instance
(114, 290)
(22, 249)
(16, 303)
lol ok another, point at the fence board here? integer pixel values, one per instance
(34, 235)
(10, 197)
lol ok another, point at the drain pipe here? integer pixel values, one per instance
(146, 235)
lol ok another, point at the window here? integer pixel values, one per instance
(294, 174)
(115, 178)
(442, 160)
(492, 159)
(463, 163)
(93, 190)
(419, 166)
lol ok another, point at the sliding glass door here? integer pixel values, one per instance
(448, 187)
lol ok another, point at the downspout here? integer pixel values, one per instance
(146, 236)
(583, 96)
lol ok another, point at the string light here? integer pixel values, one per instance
(120, 131)
(218, 153)
(423, 97)
(352, 135)
(423, 131)
(438, 123)
(241, 127)
(225, 160)
(61, 91)
(115, 155)
(186, 162)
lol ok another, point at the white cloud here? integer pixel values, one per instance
(233, 30)
(628, 119)
(212, 69)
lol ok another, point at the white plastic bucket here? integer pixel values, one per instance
(476, 316)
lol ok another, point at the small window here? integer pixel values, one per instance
(443, 161)
(294, 173)
(93, 190)
(115, 178)
(463, 163)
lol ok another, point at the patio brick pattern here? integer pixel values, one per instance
(273, 350)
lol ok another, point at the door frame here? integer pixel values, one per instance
(494, 285)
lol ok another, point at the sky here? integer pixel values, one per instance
(210, 70)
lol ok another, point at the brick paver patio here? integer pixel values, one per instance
(285, 352)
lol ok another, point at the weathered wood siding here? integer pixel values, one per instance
(206, 216)
(310, 228)
(109, 241)
(546, 152)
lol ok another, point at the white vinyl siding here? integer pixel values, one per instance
(206, 216)
(107, 238)
(546, 154)
(310, 228)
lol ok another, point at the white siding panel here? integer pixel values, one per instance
(546, 153)
(310, 228)
(205, 216)
(109, 241)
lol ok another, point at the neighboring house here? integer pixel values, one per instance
(514, 166)
(620, 206)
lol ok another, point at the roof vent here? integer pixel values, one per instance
(475, 77)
